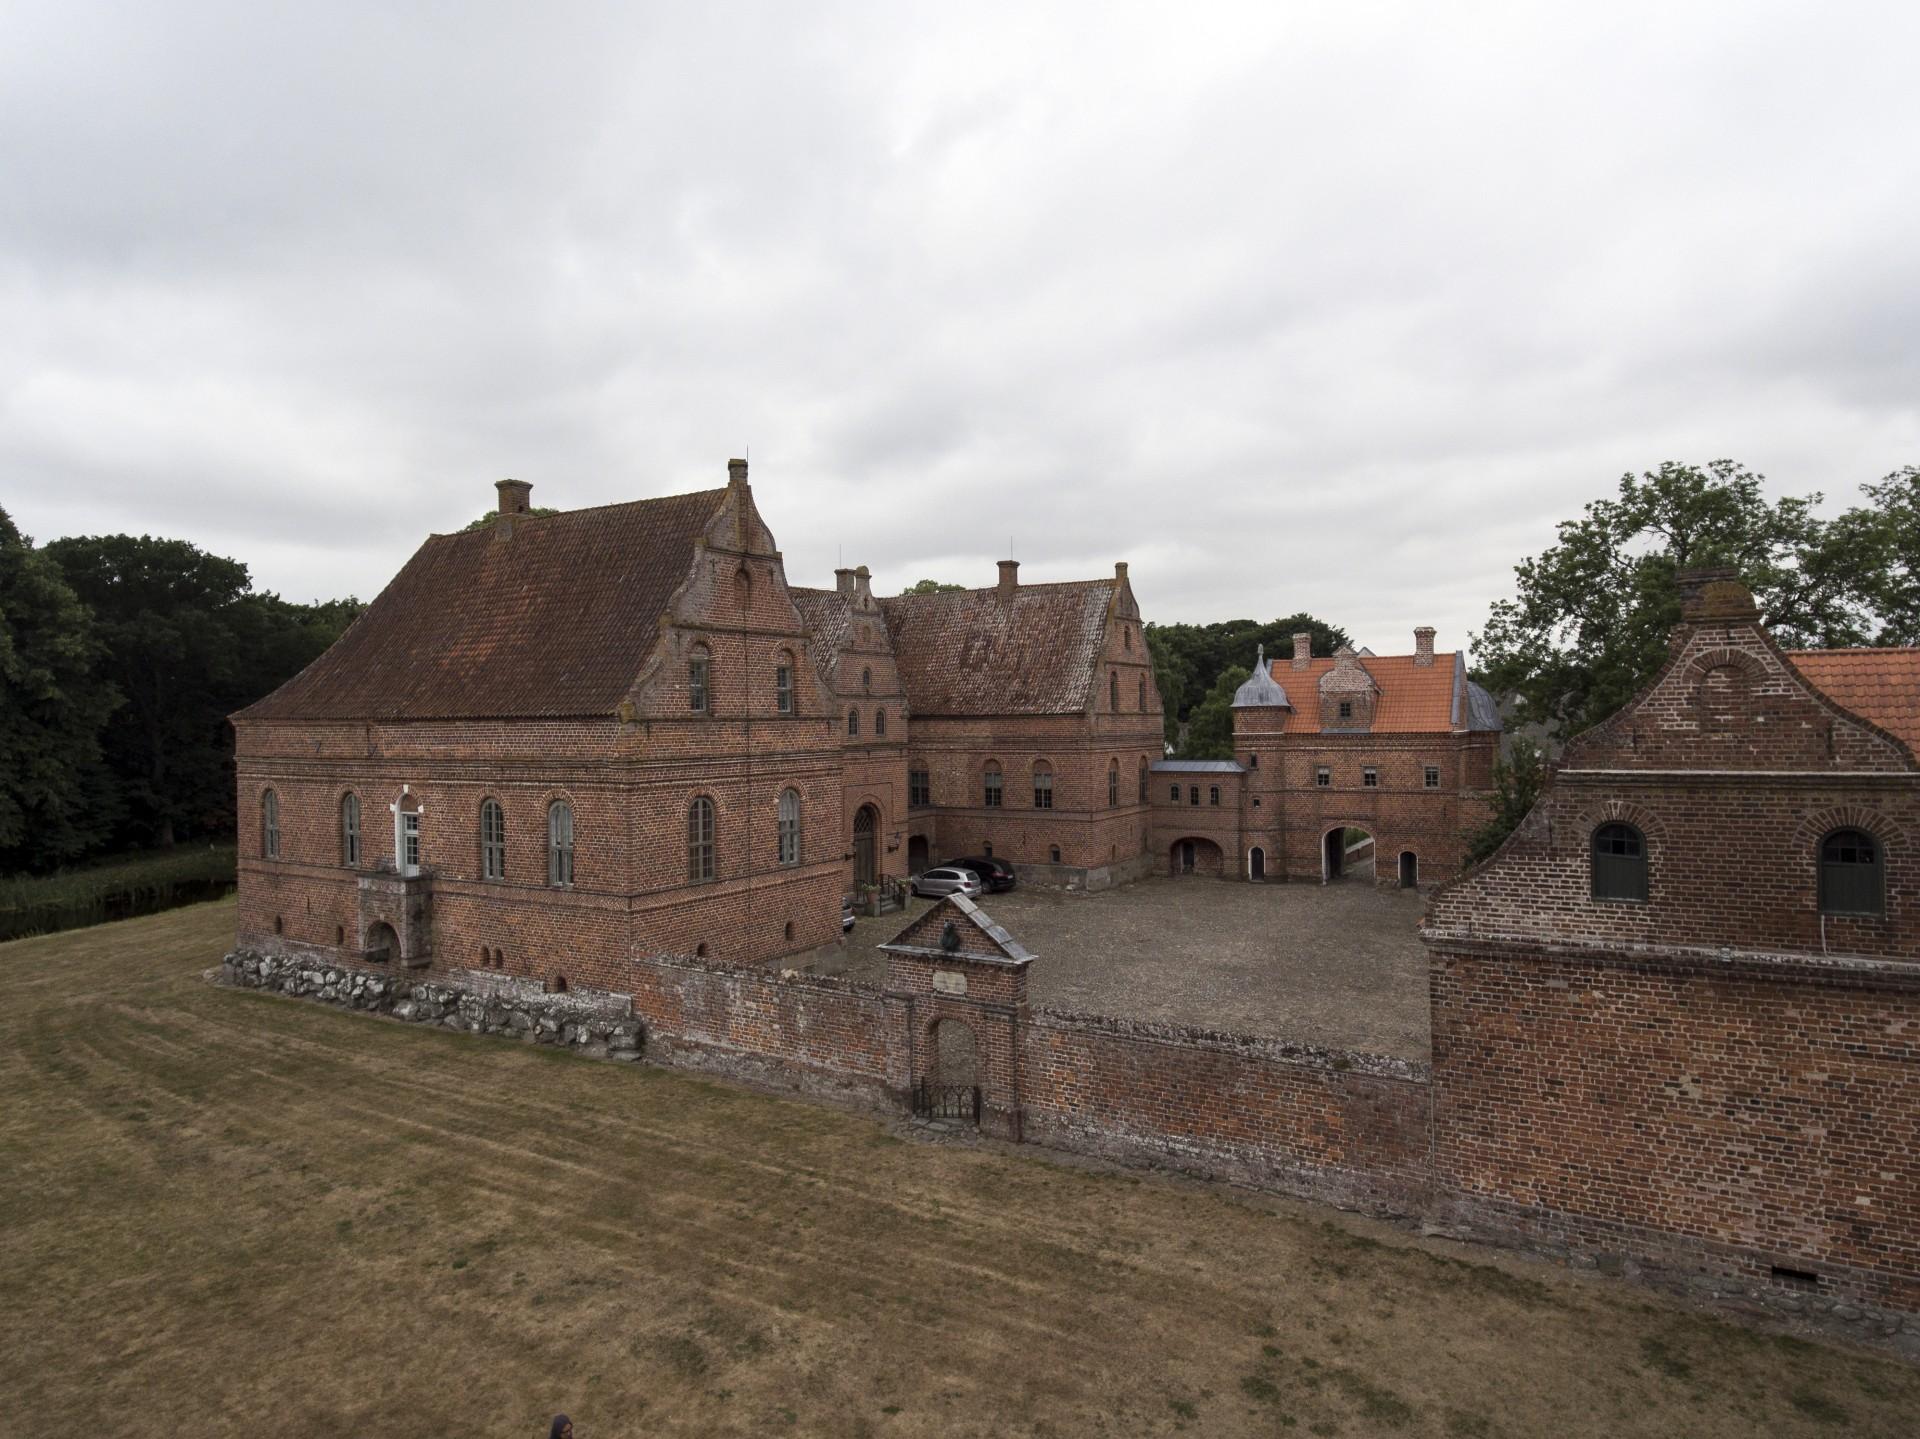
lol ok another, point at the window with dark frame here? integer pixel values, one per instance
(991, 786)
(1431, 776)
(853, 724)
(560, 843)
(1193, 794)
(1852, 880)
(1213, 794)
(789, 832)
(919, 788)
(493, 840)
(1346, 709)
(1143, 779)
(700, 840)
(350, 829)
(1175, 796)
(1370, 777)
(1042, 785)
(1323, 777)
(879, 724)
(783, 688)
(1619, 863)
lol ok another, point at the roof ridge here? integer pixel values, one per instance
(584, 510)
(995, 589)
(1860, 650)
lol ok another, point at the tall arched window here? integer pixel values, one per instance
(1113, 690)
(1619, 863)
(1143, 694)
(866, 682)
(789, 826)
(560, 843)
(1042, 785)
(700, 840)
(699, 678)
(853, 724)
(879, 723)
(1852, 874)
(990, 781)
(350, 829)
(1143, 779)
(783, 684)
(493, 840)
(1113, 782)
(270, 825)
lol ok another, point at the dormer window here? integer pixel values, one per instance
(1346, 709)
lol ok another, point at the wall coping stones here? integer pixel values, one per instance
(1251, 1046)
(1780, 966)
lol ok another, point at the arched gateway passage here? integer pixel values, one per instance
(1194, 856)
(1346, 853)
(951, 1088)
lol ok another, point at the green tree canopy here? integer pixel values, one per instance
(55, 800)
(1518, 777)
(533, 512)
(1589, 626)
(930, 587)
(1210, 724)
(1188, 661)
(185, 641)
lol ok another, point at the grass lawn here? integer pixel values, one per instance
(227, 1213)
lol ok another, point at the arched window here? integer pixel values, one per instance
(1852, 874)
(783, 684)
(1126, 636)
(406, 833)
(1619, 863)
(1113, 690)
(789, 826)
(350, 829)
(879, 723)
(1042, 785)
(1113, 782)
(991, 782)
(853, 724)
(270, 825)
(699, 676)
(493, 840)
(700, 840)
(1143, 779)
(1143, 694)
(560, 843)
(866, 682)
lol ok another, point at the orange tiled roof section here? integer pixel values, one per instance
(979, 652)
(1878, 685)
(554, 621)
(1414, 699)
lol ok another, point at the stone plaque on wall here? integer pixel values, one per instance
(949, 981)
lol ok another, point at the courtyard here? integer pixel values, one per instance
(1337, 965)
(230, 1213)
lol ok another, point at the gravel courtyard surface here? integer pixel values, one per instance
(1339, 965)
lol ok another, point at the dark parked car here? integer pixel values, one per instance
(995, 874)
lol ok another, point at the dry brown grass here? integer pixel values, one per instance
(225, 1213)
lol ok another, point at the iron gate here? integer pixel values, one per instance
(946, 1101)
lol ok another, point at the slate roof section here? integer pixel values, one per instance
(1198, 766)
(981, 939)
(555, 621)
(1260, 690)
(828, 616)
(1483, 710)
(982, 652)
(1881, 685)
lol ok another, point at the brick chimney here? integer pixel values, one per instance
(1423, 646)
(862, 588)
(1009, 576)
(1714, 593)
(736, 472)
(1120, 572)
(516, 496)
(1302, 649)
(843, 581)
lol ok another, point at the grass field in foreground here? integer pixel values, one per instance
(226, 1213)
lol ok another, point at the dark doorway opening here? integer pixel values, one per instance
(1348, 854)
(917, 854)
(1409, 870)
(1257, 863)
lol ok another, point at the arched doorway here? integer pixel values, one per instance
(382, 943)
(917, 854)
(866, 823)
(1409, 869)
(1256, 863)
(1195, 856)
(1347, 854)
(951, 1088)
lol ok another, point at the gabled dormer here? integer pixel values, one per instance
(1348, 695)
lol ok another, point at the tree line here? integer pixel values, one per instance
(121, 657)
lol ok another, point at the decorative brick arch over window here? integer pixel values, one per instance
(1811, 840)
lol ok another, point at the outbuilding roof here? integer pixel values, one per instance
(555, 620)
(1027, 649)
(1881, 685)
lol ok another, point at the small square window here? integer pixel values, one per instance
(1346, 709)
(1370, 777)
(1323, 777)
(1432, 776)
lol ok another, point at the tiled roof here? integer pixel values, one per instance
(556, 620)
(1413, 699)
(828, 616)
(978, 652)
(1878, 685)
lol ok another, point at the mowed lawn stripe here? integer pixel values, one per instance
(225, 1212)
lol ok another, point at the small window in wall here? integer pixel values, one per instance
(787, 932)
(1042, 785)
(1053, 853)
(1126, 637)
(700, 840)
(560, 843)
(1113, 691)
(866, 682)
(1213, 794)
(783, 686)
(699, 670)
(1113, 782)
(1431, 776)
(879, 722)
(991, 786)
(789, 827)
(1851, 878)
(1619, 863)
(493, 840)
(1346, 709)
(853, 724)
(919, 788)
(270, 825)
(1143, 779)
(1143, 693)
(1253, 761)
(986, 849)
(1370, 777)
(1193, 794)
(1323, 777)
(1174, 793)
(350, 830)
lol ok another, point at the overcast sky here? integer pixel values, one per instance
(1335, 307)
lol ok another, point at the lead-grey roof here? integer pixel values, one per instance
(1261, 690)
(1199, 766)
(1483, 711)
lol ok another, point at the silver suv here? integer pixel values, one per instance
(946, 880)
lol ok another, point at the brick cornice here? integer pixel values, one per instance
(1850, 970)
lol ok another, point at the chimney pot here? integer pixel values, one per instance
(515, 496)
(1423, 646)
(843, 581)
(1009, 576)
(1120, 570)
(1302, 649)
(736, 472)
